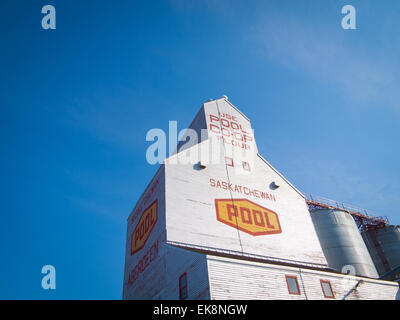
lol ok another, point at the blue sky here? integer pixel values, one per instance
(76, 103)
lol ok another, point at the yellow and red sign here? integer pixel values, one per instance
(144, 227)
(247, 216)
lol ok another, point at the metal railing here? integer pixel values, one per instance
(363, 218)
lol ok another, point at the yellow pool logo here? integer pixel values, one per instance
(247, 216)
(144, 227)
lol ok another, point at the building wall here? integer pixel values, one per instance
(179, 261)
(191, 213)
(241, 279)
(145, 270)
(155, 276)
(187, 196)
(199, 126)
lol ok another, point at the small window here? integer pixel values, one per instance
(183, 291)
(229, 161)
(293, 285)
(327, 289)
(246, 166)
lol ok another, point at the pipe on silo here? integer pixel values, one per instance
(384, 247)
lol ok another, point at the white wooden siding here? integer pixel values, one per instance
(187, 216)
(149, 282)
(191, 212)
(194, 264)
(240, 279)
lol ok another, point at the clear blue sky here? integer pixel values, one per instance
(76, 103)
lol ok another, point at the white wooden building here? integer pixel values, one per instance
(217, 221)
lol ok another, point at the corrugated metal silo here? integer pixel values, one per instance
(384, 247)
(341, 242)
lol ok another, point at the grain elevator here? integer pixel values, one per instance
(217, 221)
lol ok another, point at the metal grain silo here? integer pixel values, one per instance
(341, 242)
(384, 247)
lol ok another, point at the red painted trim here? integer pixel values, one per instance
(133, 233)
(183, 288)
(330, 286)
(297, 282)
(231, 160)
(231, 224)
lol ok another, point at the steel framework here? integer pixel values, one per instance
(363, 220)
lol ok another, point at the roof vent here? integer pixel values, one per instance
(199, 166)
(273, 185)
